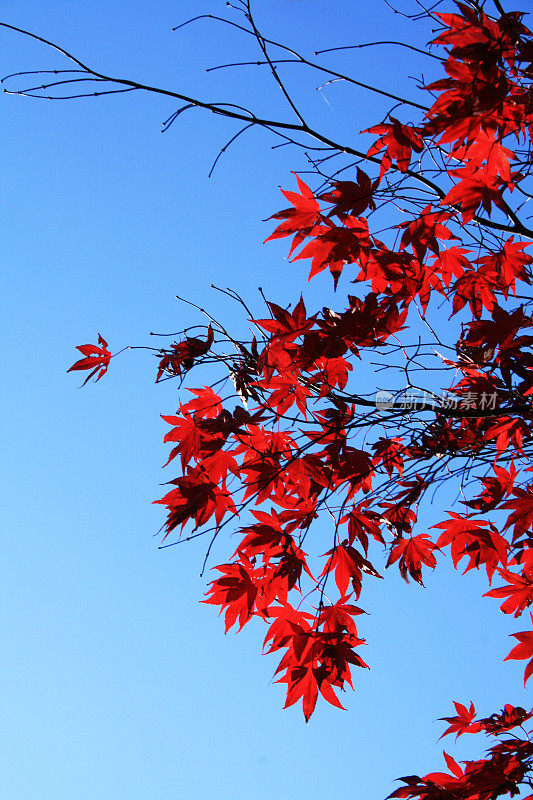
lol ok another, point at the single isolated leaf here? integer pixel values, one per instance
(463, 722)
(96, 359)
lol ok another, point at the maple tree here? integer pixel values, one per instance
(434, 216)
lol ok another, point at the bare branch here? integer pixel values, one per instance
(375, 44)
(223, 149)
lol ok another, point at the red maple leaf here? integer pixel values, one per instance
(496, 488)
(331, 372)
(508, 431)
(96, 359)
(452, 262)
(287, 391)
(206, 403)
(349, 198)
(235, 592)
(423, 232)
(523, 650)
(509, 718)
(509, 264)
(334, 246)
(187, 433)
(475, 539)
(197, 498)
(519, 589)
(362, 522)
(348, 565)
(476, 287)
(462, 722)
(287, 326)
(476, 187)
(183, 354)
(399, 141)
(412, 553)
(355, 468)
(522, 515)
(300, 220)
(390, 453)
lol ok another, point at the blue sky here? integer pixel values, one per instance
(116, 683)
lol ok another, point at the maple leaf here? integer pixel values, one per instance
(423, 232)
(333, 247)
(509, 264)
(183, 355)
(196, 498)
(452, 765)
(390, 453)
(412, 553)
(523, 650)
(397, 512)
(263, 453)
(399, 141)
(500, 331)
(287, 572)
(400, 273)
(236, 592)
(268, 539)
(463, 722)
(315, 660)
(265, 537)
(433, 786)
(361, 522)
(496, 488)
(331, 372)
(477, 288)
(472, 95)
(387, 269)
(188, 435)
(218, 464)
(348, 565)
(339, 616)
(206, 403)
(487, 148)
(301, 219)
(351, 199)
(509, 718)
(309, 475)
(506, 431)
(287, 326)
(475, 37)
(290, 626)
(519, 589)
(356, 469)
(96, 359)
(288, 390)
(302, 681)
(452, 262)
(475, 539)
(522, 516)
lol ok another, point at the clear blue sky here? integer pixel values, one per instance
(116, 684)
